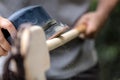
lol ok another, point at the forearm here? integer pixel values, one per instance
(106, 6)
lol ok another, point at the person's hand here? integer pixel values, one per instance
(4, 45)
(93, 21)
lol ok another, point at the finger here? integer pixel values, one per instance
(3, 52)
(84, 20)
(91, 30)
(82, 36)
(6, 24)
(4, 43)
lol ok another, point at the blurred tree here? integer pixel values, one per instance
(108, 46)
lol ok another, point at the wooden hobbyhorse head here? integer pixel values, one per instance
(30, 54)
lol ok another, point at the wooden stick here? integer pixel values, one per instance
(66, 37)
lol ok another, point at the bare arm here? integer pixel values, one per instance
(95, 20)
(106, 6)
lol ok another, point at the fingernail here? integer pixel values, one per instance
(82, 36)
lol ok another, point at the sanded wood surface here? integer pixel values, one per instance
(37, 59)
(64, 38)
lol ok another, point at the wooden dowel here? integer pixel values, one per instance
(66, 37)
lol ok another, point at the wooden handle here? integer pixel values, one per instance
(66, 37)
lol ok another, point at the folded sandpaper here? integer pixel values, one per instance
(35, 15)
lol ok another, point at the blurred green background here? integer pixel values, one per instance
(108, 45)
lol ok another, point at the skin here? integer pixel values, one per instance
(4, 45)
(93, 21)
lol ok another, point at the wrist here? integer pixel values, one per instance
(105, 7)
(102, 14)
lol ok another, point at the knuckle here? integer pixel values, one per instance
(8, 47)
(5, 54)
(2, 52)
(5, 45)
(6, 24)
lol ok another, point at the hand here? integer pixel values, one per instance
(4, 45)
(93, 21)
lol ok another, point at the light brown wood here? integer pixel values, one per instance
(37, 60)
(66, 37)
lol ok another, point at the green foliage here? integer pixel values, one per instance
(93, 5)
(108, 46)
